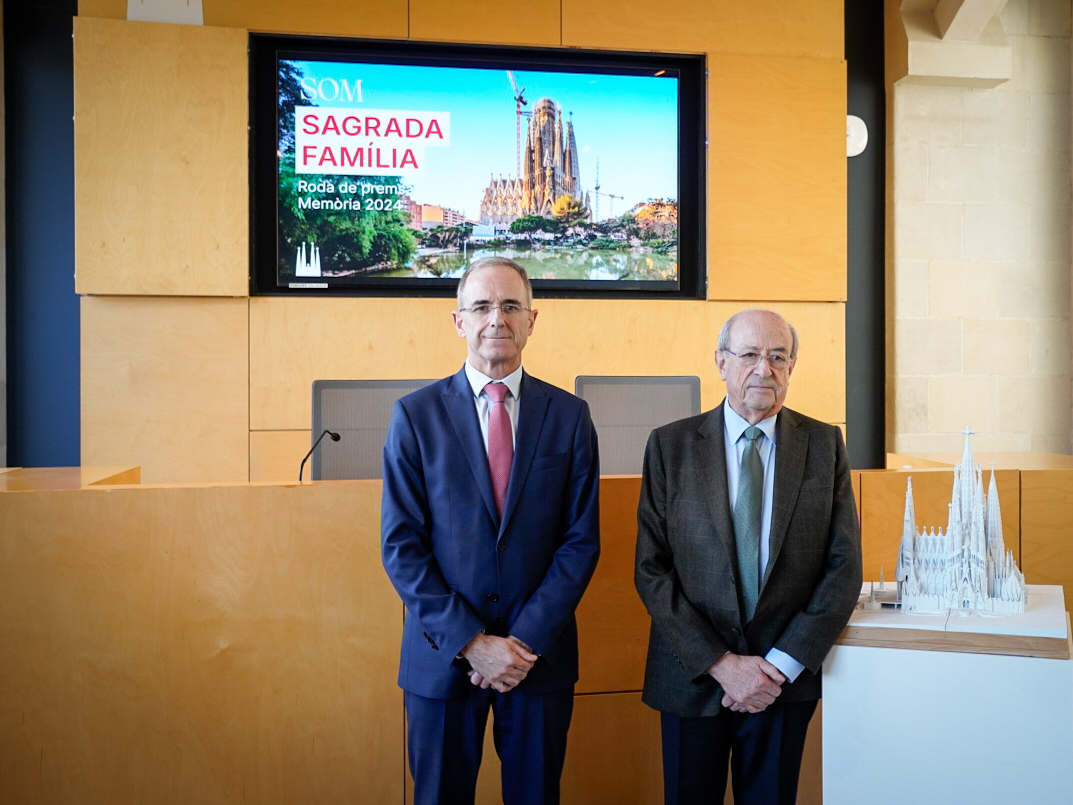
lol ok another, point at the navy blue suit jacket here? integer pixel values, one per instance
(458, 568)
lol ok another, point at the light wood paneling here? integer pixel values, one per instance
(883, 511)
(297, 341)
(612, 621)
(811, 28)
(164, 387)
(208, 645)
(776, 178)
(1047, 528)
(613, 755)
(1003, 461)
(55, 478)
(536, 23)
(110, 9)
(368, 18)
(277, 455)
(1055, 648)
(161, 176)
(373, 18)
(897, 461)
(614, 752)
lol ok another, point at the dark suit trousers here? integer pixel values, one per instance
(764, 750)
(445, 738)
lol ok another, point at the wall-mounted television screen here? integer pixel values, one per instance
(384, 168)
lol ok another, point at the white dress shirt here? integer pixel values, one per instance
(477, 382)
(734, 439)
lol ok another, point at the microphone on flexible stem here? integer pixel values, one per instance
(335, 438)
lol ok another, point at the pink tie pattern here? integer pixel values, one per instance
(500, 443)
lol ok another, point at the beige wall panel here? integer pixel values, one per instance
(164, 387)
(808, 28)
(612, 621)
(294, 342)
(883, 511)
(197, 645)
(614, 754)
(276, 455)
(776, 178)
(368, 18)
(161, 177)
(535, 23)
(111, 9)
(386, 18)
(1046, 528)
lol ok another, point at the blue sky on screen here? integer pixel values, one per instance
(628, 123)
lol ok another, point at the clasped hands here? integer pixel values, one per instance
(749, 683)
(500, 663)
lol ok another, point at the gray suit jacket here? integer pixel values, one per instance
(686, 572)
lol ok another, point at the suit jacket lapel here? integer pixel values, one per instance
(458, 400)
(531, 415)
(711, 469)
(792, 447)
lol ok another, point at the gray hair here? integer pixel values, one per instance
(724, 333)
(488, 262)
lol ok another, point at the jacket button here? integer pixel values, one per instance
(493, 597)
(502, 547)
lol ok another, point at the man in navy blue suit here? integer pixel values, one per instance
(490, 562)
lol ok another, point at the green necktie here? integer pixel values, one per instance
(747, 510)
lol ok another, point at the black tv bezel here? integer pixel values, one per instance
(266, 49)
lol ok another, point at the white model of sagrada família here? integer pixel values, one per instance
(967, 566)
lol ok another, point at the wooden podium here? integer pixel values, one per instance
(221, 643)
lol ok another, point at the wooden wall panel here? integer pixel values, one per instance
(812, 28)
(161, 176)
(294, 342)
(536, 23)
(1047, 528)
(276, 455)
(883, 510)
(614, 755)
(776, 178)
(164, 386)
(372, 18)
(208, 645)
(612, 621)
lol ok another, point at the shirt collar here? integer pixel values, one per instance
(735, 425)
(478, 380)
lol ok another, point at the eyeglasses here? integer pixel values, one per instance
(775, 360)
(484, 311)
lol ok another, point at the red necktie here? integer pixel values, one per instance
(500, 443)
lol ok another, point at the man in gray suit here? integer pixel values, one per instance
(749, 563)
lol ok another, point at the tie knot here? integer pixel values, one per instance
(751, 433)
(497, 392)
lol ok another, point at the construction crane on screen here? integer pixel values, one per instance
(610, 196)
(519, 102)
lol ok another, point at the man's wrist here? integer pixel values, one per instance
(472, 640)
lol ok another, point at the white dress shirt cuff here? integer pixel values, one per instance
(790, 667)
